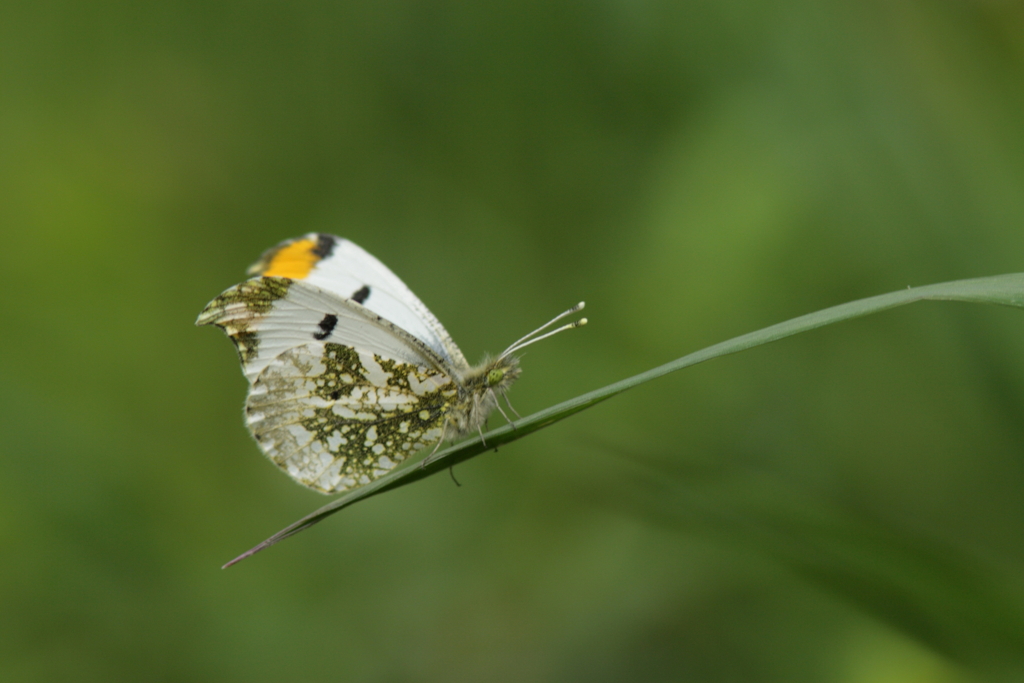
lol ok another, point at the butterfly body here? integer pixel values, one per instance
(350, 374)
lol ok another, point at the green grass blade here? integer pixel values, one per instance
(1000, 289)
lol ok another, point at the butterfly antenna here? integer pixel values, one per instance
(527, 340)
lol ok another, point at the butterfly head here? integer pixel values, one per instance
(495, 376)
(501, 373)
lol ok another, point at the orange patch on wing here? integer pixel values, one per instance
(293, 261)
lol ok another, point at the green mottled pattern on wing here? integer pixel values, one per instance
(334, 417)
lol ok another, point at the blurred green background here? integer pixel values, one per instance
(842, 506)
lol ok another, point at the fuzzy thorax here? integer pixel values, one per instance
(478, 394)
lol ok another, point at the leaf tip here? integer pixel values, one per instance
(248, 553)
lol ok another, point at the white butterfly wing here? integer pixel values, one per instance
(340, 266)
(267, 316)
(338, 396)
(334, 418)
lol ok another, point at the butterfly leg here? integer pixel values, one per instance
(503, 414)
(427, 460)
(509, 404)
(498, 406)
(479, 427)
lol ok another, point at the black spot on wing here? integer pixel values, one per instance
(326, 327)
(324, 245)
(361, 294)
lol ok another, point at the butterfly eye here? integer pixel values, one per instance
(495, 376)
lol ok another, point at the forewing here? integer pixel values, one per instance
(343, 268)
(336, 416)
(266, 316)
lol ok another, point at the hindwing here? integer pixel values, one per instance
(334, 417)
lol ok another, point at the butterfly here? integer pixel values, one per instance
(349, 372)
